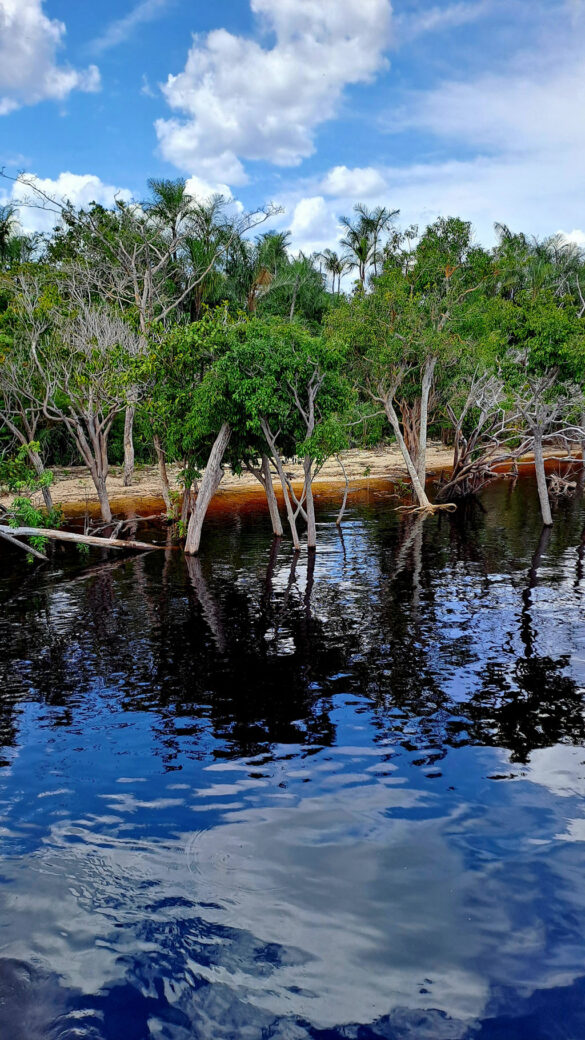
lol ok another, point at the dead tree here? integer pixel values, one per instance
(81, 375)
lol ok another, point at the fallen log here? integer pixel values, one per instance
(70, 536)
(22, 545)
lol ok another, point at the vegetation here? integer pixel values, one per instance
(181, 330)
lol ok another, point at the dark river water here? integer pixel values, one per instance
(342, 800)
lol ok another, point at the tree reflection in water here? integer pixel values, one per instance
(257, 782)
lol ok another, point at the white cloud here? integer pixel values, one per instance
(576, 236)
(361, 182)
(122, 29)
(79, 189)
(436, 19)
(29, 72)
(239, 100)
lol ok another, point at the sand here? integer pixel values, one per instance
(73, 487)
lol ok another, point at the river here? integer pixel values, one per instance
(342, 798)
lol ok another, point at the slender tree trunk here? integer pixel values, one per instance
(309, 503)
(412, 473)
(427, 382)
(37, 464)
(129, 444)
(541, 479)
(209, 485)
(271, 498)
(282, 477)
(345, 493)
(162, 472)
(582, 437)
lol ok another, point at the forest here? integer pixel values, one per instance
(186, 331)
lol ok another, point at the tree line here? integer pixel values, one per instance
(186, 331)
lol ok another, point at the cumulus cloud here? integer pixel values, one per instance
(79, 189)
(361, 182)
(239, 100)
(29, 42)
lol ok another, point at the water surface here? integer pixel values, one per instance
(345, 798)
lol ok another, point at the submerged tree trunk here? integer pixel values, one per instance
(209, 485)
(129, 444)
(541, 479)
(412, 472)
(310, 503)
(271, 441)
(162, 472)
(271, 498)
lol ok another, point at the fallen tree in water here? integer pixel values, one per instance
(13, 534)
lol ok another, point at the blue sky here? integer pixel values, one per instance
(473, 108)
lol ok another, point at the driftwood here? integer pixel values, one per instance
(13, 533)
(21, 545)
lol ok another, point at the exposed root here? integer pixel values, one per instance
(430, 510)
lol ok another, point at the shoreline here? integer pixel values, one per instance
(74, 491)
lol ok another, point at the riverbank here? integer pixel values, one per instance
(74, 490)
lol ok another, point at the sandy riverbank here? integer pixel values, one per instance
(73, 487)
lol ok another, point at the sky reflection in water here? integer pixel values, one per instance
(342, 801)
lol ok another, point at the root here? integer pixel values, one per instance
(430, 510)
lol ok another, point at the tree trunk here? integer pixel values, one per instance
(282, 477)
(162, 472)
(102, 492)
(39, 469)
(582, 438)
(83, 539)
(209, 485)
(310, 504)
(541, 479)
(412, 473)
(427, 381)
(129, 445)
(271, 498)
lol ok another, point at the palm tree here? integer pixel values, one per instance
(335, 266)
(362, 236)
(8, 221)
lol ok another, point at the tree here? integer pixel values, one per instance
(138, 257)
(362, 237)
(82, 360)
(413, 324)
(290, 389)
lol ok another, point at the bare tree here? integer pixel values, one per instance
(82, 369)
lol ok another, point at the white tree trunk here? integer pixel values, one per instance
(309, 503)
(209, 485)
(271, 498)
(282, 477)
(541, 479)
(129, 445)
(412, 473)
(427, 382)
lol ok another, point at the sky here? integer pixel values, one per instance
(469, 108)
